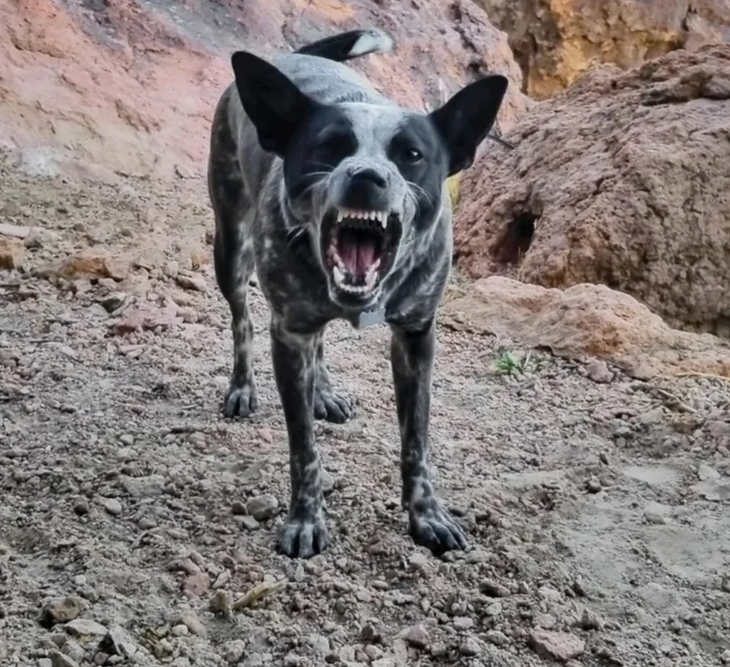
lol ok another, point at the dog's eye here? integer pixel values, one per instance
(413, 155)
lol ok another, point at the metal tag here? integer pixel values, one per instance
(369, 318)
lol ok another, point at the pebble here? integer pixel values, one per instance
(463, 623)
(194, 624)
(118, 642)
(494, 589)
(593, 485)
(590, 620)
(469, 648)
(497, 638)
(113, 506)
(238, 508)
(725, 657)
(249, 523)
(82, 627)
(197, 584)
(494, 609)
(263, 508)
(58, 659)
(559, 646)
(439, 650)
(81, 506)
(180, 630)
(549, 594)
(61, 610)
(598, 371)
(546, 621)
(233, 651)
(417, 636)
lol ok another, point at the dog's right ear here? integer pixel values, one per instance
(271, 100)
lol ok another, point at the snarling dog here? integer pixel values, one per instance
(336, 197)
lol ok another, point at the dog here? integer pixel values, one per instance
(336, 197)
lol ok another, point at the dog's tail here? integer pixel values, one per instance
(348, 45)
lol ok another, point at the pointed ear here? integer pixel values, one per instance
(271, 100)
(465, 120)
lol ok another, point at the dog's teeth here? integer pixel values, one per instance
(340, 216)
(384, 219)
(339, 276)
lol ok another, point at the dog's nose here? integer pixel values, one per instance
(367, 177)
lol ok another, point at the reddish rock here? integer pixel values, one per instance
(197, 584)
(623, 180)
(581, 322)
(87, 264)
(117, 87)
(556, 41)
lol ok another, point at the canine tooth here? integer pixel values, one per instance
(384, 219)
(340, 216)
(339, 276)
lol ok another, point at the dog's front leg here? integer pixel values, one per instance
(294, 357)
(412, 355)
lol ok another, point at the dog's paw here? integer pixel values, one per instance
(332, 405)
(240, 401)
(303, 538)
(433, 527)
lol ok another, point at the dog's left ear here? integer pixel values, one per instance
(465, 120)
(271, 100)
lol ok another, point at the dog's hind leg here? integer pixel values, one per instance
(234, 261)
(330, 404)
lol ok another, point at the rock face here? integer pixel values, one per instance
(128, 87)
(581, 322)
(555, 41)
(624, 180)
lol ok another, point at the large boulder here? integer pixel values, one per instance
(623, 180)
(555, 41)
(584, 322)
(129, 87)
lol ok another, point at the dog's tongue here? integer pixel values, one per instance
(357, 252)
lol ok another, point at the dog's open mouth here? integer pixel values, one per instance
(360, 248)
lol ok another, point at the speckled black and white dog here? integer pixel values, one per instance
(336, 197)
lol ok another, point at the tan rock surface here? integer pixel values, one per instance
(584, 321)
(556, 41)
(121, 88)
(624, 180)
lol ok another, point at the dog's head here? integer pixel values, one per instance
(364, 180)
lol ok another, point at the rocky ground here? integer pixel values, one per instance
(137, 525)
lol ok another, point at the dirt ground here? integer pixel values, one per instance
(132, 513)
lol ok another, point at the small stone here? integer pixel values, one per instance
(12, 253)
(463, 623)
(546, 621)
(725, 657)
(549, 594)
(73, 650)
(42, 662)
(497, 638)
(58, 659)
(146, 523)
(195, 283)
(113, 301)
(593, 485)
(118, 642)
(238, 508)
(82, 627)
(559, 646)
(171, 269)
(417, 636)
(197, 584)
(113, 506)
(494, 609)
(598, 371)
(61, 610)
(81, 506)
(469, 648)
(180, 630)
(590, 621)
(439, 650)
(263, 508)
(494, 589)
(652, 417)
(194, 624)
(233, 651)
(249, 523)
